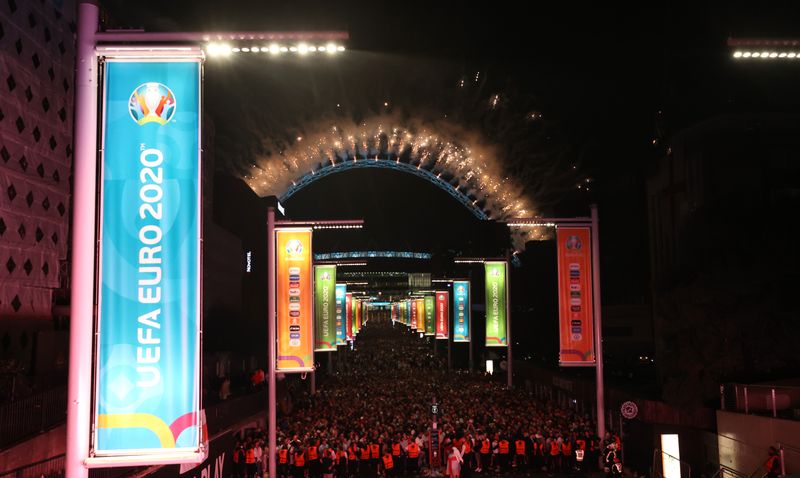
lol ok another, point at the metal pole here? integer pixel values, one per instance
(722, 397)
(774, 407)
(509, 361)
(746, 404)
(271, 317)
(82, 288)
(783, 461)
(598, 324)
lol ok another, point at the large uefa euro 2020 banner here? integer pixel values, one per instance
(147, 376)
(295, 305)
(325, 308)
(496, 315)
(461, 311)
(575, 305)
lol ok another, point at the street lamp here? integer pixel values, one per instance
(758, 49)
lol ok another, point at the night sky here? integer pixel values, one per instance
(611, 84)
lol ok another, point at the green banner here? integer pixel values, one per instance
(430, 315)
(324, 308)
(496, 304)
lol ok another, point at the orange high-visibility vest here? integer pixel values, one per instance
(365, 453)
(312, 453)
(351, 453)
(566, 449)
(341, 455)
(554, 448)
(504, 447)
(467, 446)
(299, 460)
(283, 456)
(388, 463)
(375, 450)
(520, 446)
(395, 449)
(485, 446)
(413, 450)
(250, 456)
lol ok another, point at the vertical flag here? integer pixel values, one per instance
(415, 323)
(442, 314)
(295, 305)
(496, 303)
(341, 314)
(430, 315)
(462, 305)
(324, 308)
(147, 369)
(349, 316)
(575, 306)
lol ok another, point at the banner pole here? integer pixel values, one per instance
(271, 317)
(83, 245)
(598, 326)
(510, 383)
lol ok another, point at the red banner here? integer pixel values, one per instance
(349, 315)
(575, 306)
(442, 314)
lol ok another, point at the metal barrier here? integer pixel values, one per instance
(32, 415)
(660, 458)
(774, 400)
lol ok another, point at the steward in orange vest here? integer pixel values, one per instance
(504, 456)
(388, 465)
(299, 468)
(412, 459)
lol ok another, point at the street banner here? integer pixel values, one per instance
(295, 300)
(412, 305)
(341, 314)
(147, 366)
(442, 314)
(496, 313)
(349, 315)
(325, 308)
(430, 315)
(575, 306)
(461, 312)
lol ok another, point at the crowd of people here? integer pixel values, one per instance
(373, 418)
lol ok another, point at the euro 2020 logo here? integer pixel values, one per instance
(152, 103)
(294, 247)
(574, 243)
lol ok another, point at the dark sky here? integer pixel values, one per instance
(607, 79)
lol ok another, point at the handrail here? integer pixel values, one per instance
(781, 448)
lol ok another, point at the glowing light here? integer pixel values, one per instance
(746, 54)
(340, 48)
(330, 48)
(274, 49)
(782, 55)
(791, 55)
(236, 50)
(246, 50)
(284, 49)
(737, 54)
(773, 55)
(293, 49)
(302, 49)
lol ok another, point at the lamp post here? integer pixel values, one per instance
(91, 44)
(593, 223)
(272, 313)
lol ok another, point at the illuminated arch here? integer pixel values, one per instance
(439, 154)
(470, 203)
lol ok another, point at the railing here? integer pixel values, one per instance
(727, 472)
(219, 417)
(661, 457)
(771, 400)
(783, 448)
(28, 416)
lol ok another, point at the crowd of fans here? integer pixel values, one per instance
(373, 418)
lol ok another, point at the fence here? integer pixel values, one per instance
(770, 400)
(28, 416)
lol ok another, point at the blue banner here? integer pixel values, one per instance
(341, 314)
(148, 344)
(461, 310)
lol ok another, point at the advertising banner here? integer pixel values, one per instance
(348, 302)
(442, 314)
(147, 369)
(575, 306)
(461, 312)
(324, 308)
(430, 315)
(496, 303)
(341, 314)
(412, 305)
(294, 300)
